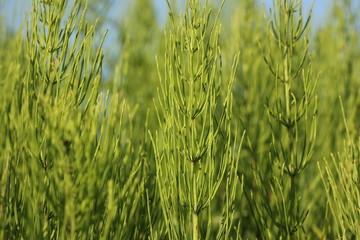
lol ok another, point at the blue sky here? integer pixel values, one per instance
(321, 8)
(15, 9)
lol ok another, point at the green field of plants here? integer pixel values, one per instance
(227, 120)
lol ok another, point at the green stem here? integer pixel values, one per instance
(291, 164)
(287, 86)
(195, 213)
(195, 216)
(292, 203)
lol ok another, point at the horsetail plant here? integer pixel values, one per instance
(193, 149)
(72, 171)
(85, 155)
(342, 180)
(60, 66)
(294, 113)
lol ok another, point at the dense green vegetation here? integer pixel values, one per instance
(227, 122)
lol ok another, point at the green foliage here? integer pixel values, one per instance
(66, 177)
(341, 181)
(292, 117)
(193, 149)
(216, 129)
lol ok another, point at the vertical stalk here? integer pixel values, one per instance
(195, 226)
(287, 86)
(289, 129)
(293, 117)
(195, 214)
(188, 100)
(287, 89)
